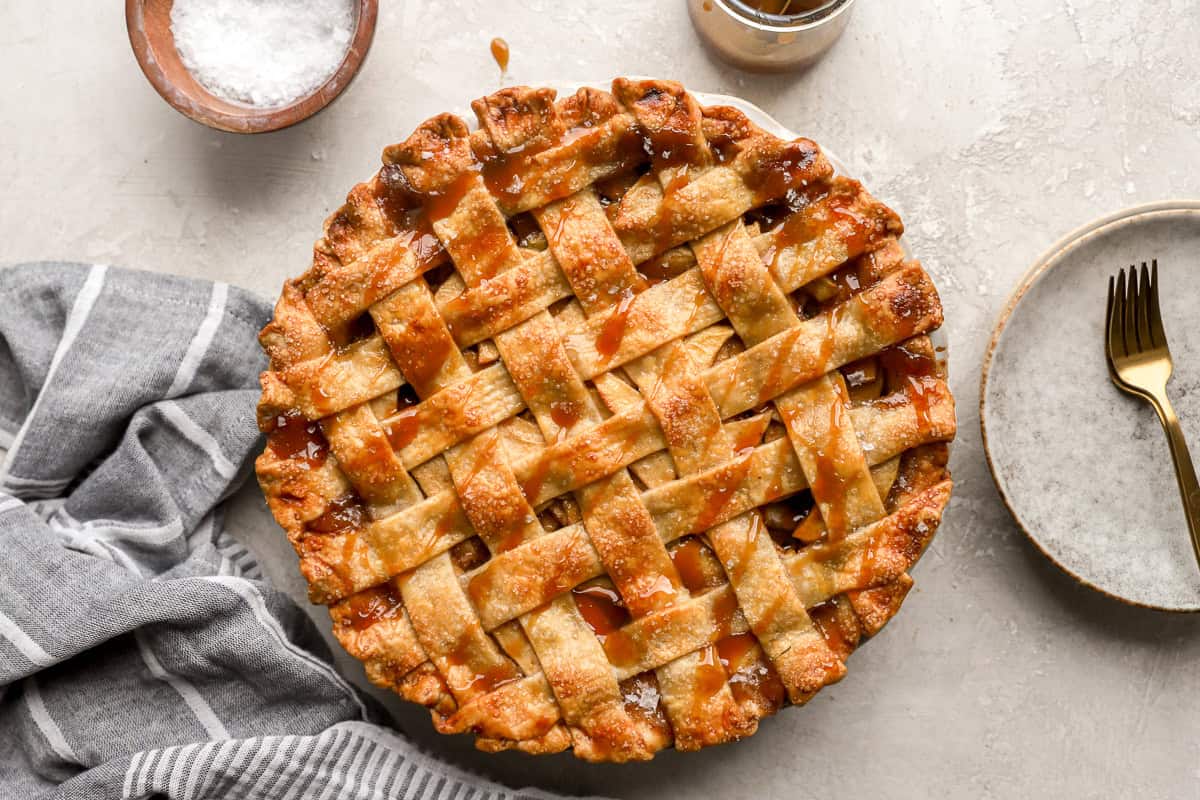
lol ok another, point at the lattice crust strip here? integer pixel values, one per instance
(610, 425)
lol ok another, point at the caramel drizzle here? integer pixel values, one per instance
(343, 514)
(367, 607)
(472, 682)
(294, 438)
(602, 609)
(916, 373)
(608, 341)
(688, 557)
(500, 53)
(829, 484)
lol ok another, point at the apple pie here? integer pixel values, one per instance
(611, 424)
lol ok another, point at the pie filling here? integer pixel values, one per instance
(611, 425)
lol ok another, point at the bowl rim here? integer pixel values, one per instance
(253, 120)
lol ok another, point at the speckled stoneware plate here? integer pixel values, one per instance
(1085, 469)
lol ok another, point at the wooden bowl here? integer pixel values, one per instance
(149, 24)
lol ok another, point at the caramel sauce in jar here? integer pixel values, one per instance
(784, 8)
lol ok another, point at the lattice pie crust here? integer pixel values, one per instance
(610, 425)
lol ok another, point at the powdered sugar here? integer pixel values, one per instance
(265, 53)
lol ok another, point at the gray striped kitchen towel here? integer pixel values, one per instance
(141, 652)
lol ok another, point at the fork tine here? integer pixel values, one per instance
(1157, 334)
(1113, 346)
(1143, 309)
(1131, 304)
(1121, 347)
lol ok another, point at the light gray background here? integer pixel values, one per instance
(993, 126)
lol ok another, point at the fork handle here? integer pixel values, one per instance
(1185, 473)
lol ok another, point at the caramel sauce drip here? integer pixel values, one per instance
(772, 382)
(688, 556)
(855, 229)
(510, 540)
(402, 429)
(500, 52)
(613, 330)
(825, 617)
(531, 487)
(422, 362)
(477, 682)
(481, 586)
(507, 174)
(395, 197)
(664, 223)
(915, 373)
(724, 608)
(653, 594)
(503, 173)
(739, 566)
(565, 413)
(602, 609)
(724, 147)
(485, 251)
(814, 214)
(441, 203)
(733, 650)
(674, 147)
(423, 242)
(294, 438)
(372, 605)
(710, 675)
(784, 174)
(746, 440)
(734, 476)
(344, 514)
(828, 484)
(643, 699)
(621, 649)
(750, 679)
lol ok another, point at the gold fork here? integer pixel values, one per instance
(1139, 363)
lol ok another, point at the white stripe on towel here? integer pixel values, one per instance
(46, 724)
(80, 309)
(199, 437)
(201, 341)
(205, 715)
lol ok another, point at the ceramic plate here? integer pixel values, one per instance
(1084, 468)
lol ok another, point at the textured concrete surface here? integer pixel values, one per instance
(993, 126)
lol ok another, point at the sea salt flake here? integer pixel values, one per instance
(264, 53)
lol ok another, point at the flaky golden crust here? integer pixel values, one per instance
(610, 426)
